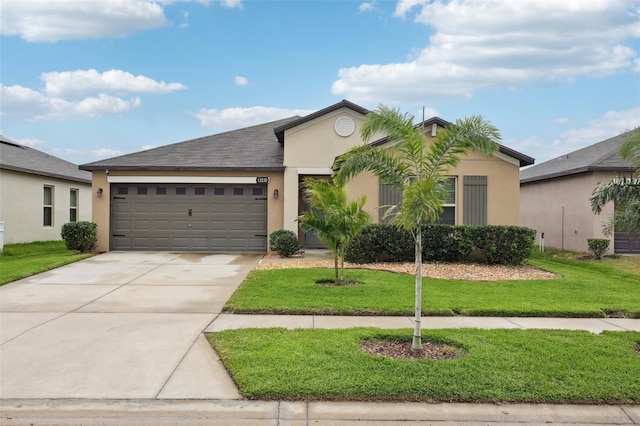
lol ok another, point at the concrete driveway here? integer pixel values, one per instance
(119, 325)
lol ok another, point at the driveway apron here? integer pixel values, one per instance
(119, 325)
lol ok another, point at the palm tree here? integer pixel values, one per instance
(419, 168)
(624, 192)
(333, 218)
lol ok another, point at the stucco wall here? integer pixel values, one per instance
(102, 213)
(310, 149)
(560, 208)
(22, 206)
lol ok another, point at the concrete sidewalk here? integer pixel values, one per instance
(594, 325)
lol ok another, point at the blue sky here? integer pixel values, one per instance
(91, 79)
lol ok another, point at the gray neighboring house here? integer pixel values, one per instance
(554, 197)
(39, 193)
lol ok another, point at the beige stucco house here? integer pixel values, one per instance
(39, 193)
(229, 191)
(554, 197)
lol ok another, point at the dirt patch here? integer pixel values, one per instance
(450, 271)
(402, 350)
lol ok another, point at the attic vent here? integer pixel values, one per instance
(563, 158)
(345, 126)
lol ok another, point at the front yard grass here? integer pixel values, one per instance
(532, 366)
(586, 289)
(19, 261)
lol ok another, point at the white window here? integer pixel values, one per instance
(448, 216)
(48, 206)
(73, 205)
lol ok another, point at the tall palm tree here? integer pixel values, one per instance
(333, 218)
(624, 192)
(418, 167)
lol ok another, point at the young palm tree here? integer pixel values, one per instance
(419, 168)
(624, 192)
(333, 218)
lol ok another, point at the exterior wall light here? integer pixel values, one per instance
(99, 193)
(275, 194)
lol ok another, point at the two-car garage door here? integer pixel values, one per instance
(189, 217)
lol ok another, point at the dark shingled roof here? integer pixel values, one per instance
(602, 156)
(524, 160)
(20, 158)
(251, 148)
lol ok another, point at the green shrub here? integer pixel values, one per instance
(284, 242)
(380, 243)
(505, 245)
(446, 243)
(509, 245)
(79, 236)
(598, 246)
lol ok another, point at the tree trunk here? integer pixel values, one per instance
(417, 338)
(335, 266)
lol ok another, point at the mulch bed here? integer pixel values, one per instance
(402, 350)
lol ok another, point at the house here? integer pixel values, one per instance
(39, 193)
(554, 197)
(229, 191)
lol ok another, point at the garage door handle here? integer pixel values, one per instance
(190, 212)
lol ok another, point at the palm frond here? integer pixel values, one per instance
(386, 167)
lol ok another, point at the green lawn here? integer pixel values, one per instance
(586, 289)
(540, 366)
(22, 260)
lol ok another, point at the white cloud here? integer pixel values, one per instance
(366, 7)
(232, 4)
(478, 45)
(106, 152)
(147, 147)
(235, 118)
(240, 81)
(80, 93)
(561, 120)
(83, 82)
(18, 101)
(50, 21)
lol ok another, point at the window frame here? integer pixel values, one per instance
(73, 209)
(48, 207)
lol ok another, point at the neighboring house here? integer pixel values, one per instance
(39, 193)
(229, 191)
(554, 197)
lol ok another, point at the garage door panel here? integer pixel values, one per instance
(156, 216)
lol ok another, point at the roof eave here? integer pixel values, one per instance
(46, 174)
(576, 171)
(91, 168)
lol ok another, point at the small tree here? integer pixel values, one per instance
(419, 168)
(333, 218)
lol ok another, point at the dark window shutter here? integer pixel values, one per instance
(475, 200)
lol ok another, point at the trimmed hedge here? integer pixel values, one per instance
(509, 245)
(81, 236)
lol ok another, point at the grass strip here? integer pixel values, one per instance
(586, 289)
(19, 261)
(530, 366)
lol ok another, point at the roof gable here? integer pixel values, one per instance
(523, 160)
(601, 156)
(279, 131)
(20, 158)
(250, 148)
